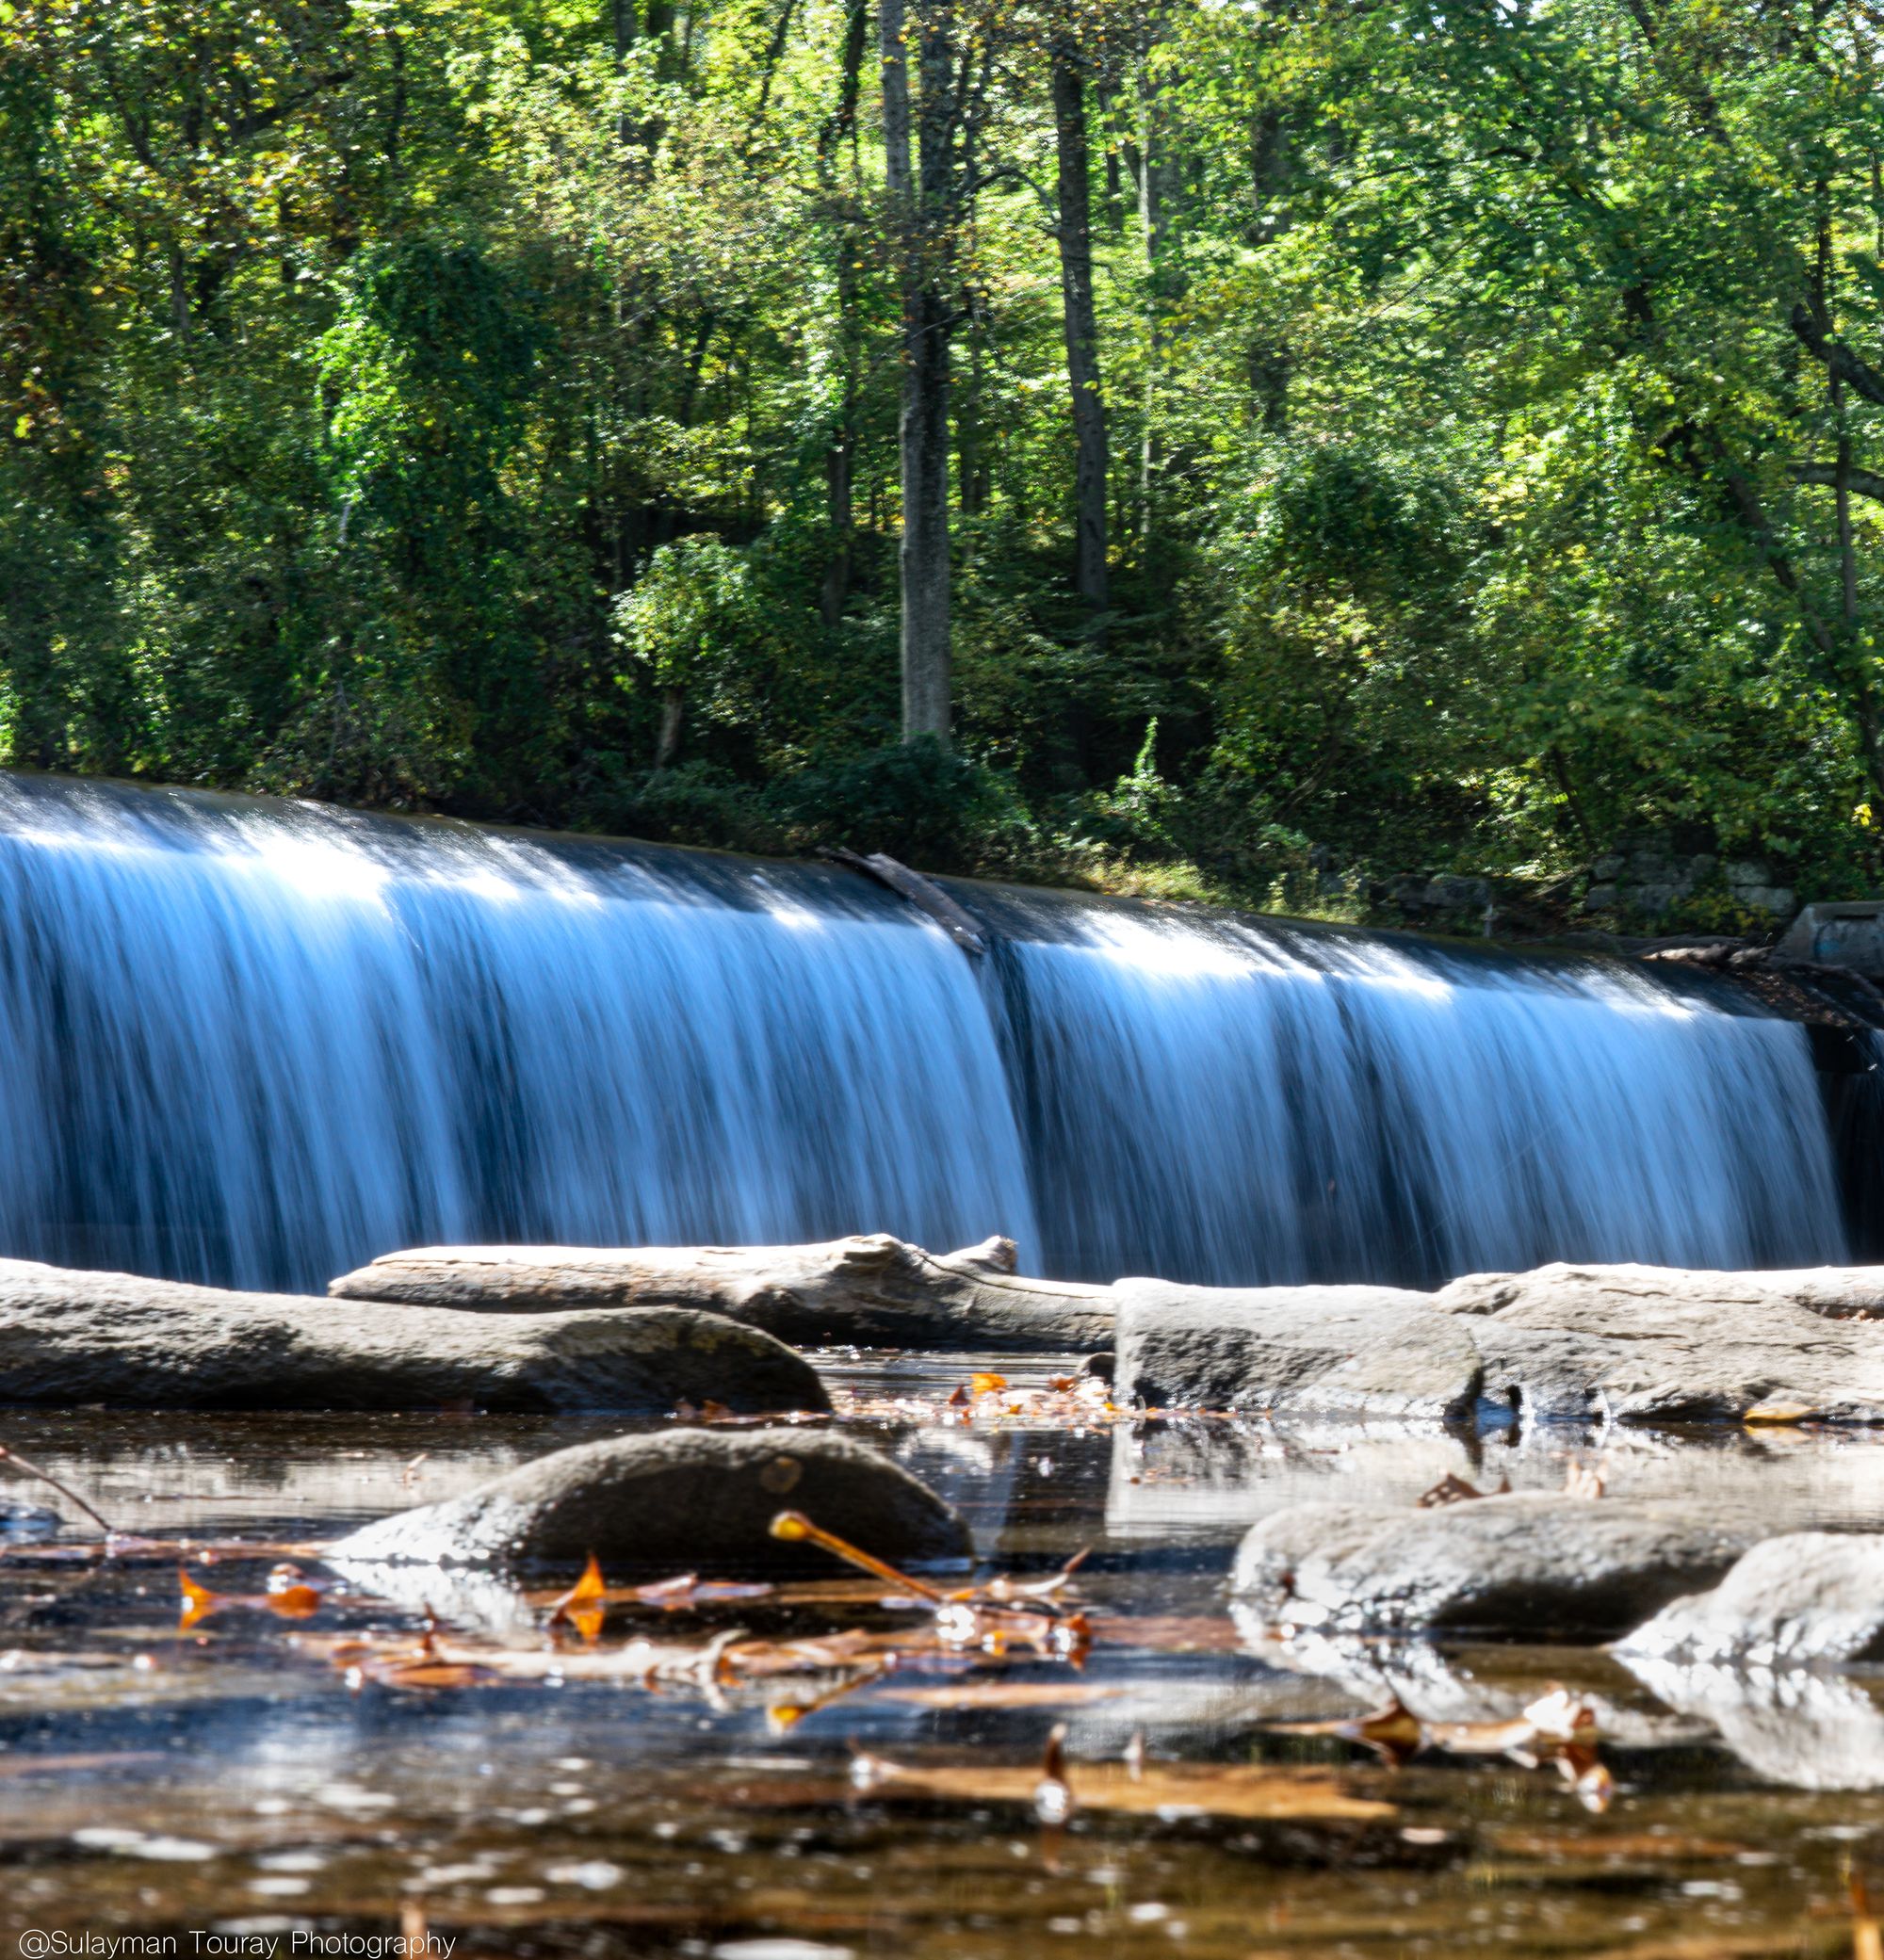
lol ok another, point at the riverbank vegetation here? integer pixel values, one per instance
(1238, 450)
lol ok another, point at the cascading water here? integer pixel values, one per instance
(259, 1043)
(1215, 1102)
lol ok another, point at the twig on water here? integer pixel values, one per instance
(32, 1469)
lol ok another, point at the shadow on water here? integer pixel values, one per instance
(238, 1775)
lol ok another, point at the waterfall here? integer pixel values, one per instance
(1214, 1101)
(258, 1043)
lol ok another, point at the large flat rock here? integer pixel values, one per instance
(1806, 1598)
(70, 1338)
(1650, 1344)
(1563, 1343)
(1527, 1564)
(1317, 1350)
(688, 1499)
(873, 1290)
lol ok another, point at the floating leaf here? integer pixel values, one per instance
(1393, 1732)
(289, 1593)
(584, 1606)
(198, 1602)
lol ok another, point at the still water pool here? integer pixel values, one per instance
(303, 1775)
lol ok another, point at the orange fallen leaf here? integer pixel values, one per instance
(979, 1384)
(423, 1674)
(198, 1602)
(585, 1604)
(289, 1594)
(1392, 1732)
(1455, 1489)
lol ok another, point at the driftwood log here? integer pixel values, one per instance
(870, 1291)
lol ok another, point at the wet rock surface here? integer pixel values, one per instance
(867, 1290)
(1527, 1564)
(114, 1339)
(1803, 1599)
(1563, 1343)
(689, 1500)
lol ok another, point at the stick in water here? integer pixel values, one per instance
(794, 1527)
(32, 1469)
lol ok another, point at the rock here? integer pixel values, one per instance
(1355, 1350)
(1563, 1343)
(872, 1290)
(1811, 1596)
(1648, 876)
(1752, 884)
(685, 1500)
(1450, 892)
(1809, 1730)
(1656, 1344)
(1848, 933)
(1524, 1564)
(70, 1338)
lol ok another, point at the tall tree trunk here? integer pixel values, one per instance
(673, 709)
(921, 211)
(972, 471)
(1083, 334)
(840, 455)
(1151, 238)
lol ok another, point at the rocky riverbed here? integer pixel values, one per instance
(1136, 1756)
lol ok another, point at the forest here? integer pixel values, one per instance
(1232, 448)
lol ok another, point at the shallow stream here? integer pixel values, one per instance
(311, 1767)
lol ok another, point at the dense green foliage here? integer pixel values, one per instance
(435, 403)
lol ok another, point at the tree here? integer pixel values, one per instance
(1075, 235)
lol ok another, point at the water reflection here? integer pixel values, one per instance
(152, 1779)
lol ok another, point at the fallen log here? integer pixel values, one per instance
(870, 1291)
(923, 893)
